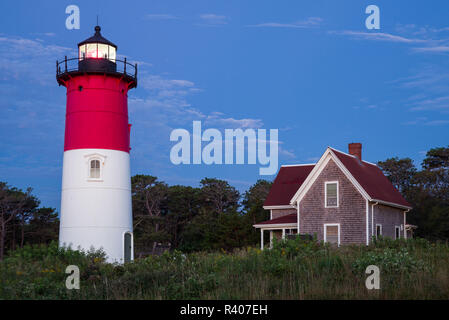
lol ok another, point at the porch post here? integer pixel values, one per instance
(405, 221)
(261, 239)
(283, 234)
(271, 239)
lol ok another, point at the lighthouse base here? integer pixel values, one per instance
(112, 241)
(96, 210)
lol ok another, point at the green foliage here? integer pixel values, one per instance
(38, 271)
(21, 221)
(293, 269)
(427, 190)
(389, 261)
(399, 171)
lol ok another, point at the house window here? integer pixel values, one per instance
(332, 233)
(331, 194)
(397, 232)
(94, 169)
(378, 230)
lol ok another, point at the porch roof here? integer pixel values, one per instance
(290, 220)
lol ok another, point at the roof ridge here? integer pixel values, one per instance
(353, 156)
(298, 165)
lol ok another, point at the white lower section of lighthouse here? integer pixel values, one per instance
(96, 209)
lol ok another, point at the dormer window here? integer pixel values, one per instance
(331, 194)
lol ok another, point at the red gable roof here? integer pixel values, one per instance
(371, 179)
(289, 218)
(290, 178)
(287, 182)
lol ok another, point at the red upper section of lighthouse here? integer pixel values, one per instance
(97, 100)
(97, 113)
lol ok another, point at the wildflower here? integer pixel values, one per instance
(19, 273)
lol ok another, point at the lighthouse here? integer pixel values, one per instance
(96, 207)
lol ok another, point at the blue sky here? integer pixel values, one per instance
(308, 68)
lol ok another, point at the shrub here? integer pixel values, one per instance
(389, 261)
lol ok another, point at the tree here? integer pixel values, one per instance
(426, 190)
(254, 212)
(14, 205)
(399, 171)
(43, 226)
(218, 210)
(183, 204)
(202, 232)
(253, 200)
(149, 198)
(219, 196)
(437, 158)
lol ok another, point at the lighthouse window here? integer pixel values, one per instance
(103, 51)
(112, 53)
(82, 53)
(95, 169)
(91, 50)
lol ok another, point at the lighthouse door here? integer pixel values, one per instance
(127, 247)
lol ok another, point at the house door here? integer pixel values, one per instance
(332, 233)
(127, 247)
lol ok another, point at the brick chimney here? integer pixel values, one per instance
(356, 150)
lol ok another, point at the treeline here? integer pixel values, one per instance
(427, 190)
(22, 221)
(215, 215)
(212, 216)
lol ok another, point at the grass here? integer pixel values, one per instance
(294, 269)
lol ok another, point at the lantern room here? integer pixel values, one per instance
(97, 47)
(97, 53)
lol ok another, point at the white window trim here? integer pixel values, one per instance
(325, 194)
(381, 231)
(95, 156)
(331, 225)
(399, 233)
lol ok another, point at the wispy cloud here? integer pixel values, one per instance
(213, 19)
(420, 30)
(47, 34)
(219, 120)
(307, 23)
(424, 121)
(439, 103)
(436, 49)
(378, 36)
(30, 59)
(423, 41)
(429, 87)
